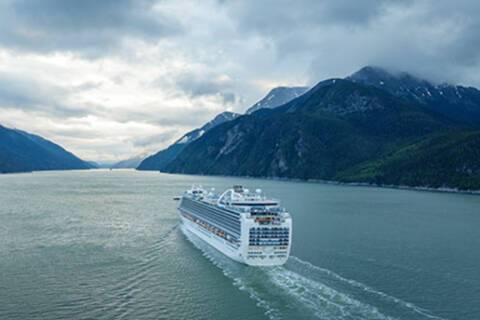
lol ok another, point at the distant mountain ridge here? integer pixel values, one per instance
(455, 102)
(22, 152)
(162, 158)
(276, 97)
(353, 130)
(130, 163)
(197, 133)
(312, 137)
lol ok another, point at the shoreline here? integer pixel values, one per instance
(339, 183)
(399, 187)
(318, 181)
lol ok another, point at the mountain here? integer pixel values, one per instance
(101, 164)
(333, 126)
(273, 99)
(159, 160)
(441, 161)
(346, 130)
(130, 163)
(22, 152)
(456, 102)
(276, 97)
(93, 164)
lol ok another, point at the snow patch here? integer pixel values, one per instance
(185, 139)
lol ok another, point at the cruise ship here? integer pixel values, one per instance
(244, 225)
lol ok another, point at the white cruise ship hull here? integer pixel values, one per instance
(253, 233)
(211, 239)
(243, 252)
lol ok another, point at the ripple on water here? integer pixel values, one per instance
(300, 288)
(126, 292)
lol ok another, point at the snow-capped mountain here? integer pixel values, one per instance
(197, 133)
(455, 102)
(374, 127)
(277, 97)
(159, 160)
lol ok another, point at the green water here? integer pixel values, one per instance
(108, 245)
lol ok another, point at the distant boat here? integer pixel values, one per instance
(243, 225)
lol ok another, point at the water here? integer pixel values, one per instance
(108, 245)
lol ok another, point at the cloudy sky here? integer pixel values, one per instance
(115, 78)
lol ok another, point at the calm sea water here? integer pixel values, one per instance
(108, 245)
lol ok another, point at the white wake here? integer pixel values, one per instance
(301, 290)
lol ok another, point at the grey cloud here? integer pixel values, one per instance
(203, 83)
(277, 16)
(156, 114)
(229, 97)
(154, 139)
(198, 87)
(197, 84)
(86, 134)
(85, 86)
(91, 27)
(436, 39)
(31, 95)
(439, 40)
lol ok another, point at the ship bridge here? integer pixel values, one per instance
(242, 197)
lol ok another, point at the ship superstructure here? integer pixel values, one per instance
(244, 225)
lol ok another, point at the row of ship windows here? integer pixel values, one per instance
(264, 256)
(253, 253)
(226, 211)
(268, 235)
(216, 212)
(221, 233)
(269, 232)
(217, 223)
(256, 234)
(233, 226)
(276, 243)
(269, 229)
(268, 238)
